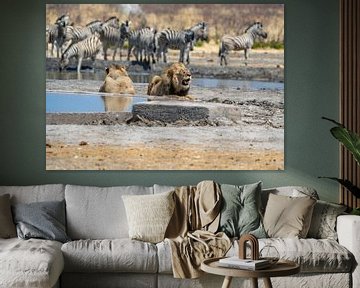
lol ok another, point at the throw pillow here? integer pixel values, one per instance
(149, 215)
(323, 222)
(7, 227)
(288, 217)
(44, 220)
(240, 213)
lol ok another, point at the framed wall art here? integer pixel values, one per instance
(165, 87)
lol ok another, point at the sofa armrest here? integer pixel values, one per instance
(348, 230)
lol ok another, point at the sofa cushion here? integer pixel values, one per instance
(323, 222)
(287, 216)
(149, 215)
(30, 263)
(240, 210)
(313, 255)
(35, 193)
(43, 220)
(117, 255)
(7, 226)
(98, 213)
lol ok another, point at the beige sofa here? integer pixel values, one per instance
(102, 255)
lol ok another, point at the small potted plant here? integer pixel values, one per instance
(351, 141)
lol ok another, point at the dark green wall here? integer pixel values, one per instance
(311, 91)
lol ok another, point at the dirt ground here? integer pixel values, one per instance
(253, 139)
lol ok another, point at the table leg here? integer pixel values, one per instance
(227, 282)
(267, 283)
(254, 282)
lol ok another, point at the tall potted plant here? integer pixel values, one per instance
(351, 142)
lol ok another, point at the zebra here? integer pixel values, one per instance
(112, 21)
(75, 34)
(174, 39)
(142, 40)
(200, 33)
(87, 48)
(113, 37)
(146, 44)
(55, 35)
(65, 18)
(242, 42)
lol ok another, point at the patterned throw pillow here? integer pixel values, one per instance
(240, 213)
(7, 226)
(149, 215)
(323, 223)
(288, 217)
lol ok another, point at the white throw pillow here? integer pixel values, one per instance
(149, 215)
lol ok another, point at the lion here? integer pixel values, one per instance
(174, 80)
(117, 81)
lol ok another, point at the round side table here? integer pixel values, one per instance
(281, 268)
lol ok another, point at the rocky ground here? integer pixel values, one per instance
(244, 130)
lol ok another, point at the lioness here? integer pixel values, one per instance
(174, 80)
(117, 81)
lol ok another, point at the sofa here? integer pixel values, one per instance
(99, 253)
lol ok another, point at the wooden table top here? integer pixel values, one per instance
(281, 268)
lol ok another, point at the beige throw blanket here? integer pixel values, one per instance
(191, 231)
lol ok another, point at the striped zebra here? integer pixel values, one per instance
(112, 21)
(146, 45)
(142, 41)
(200, 33)
(114, 38)
(75, 34)
(63, 19)
(55, 35)
(174, 39)
(87, 48)
(242, 42)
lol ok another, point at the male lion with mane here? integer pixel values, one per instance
(117, 81)
(174, 80)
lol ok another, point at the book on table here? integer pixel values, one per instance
(249, 264)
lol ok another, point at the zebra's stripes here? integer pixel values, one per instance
(200, 33)
(112, 21)
(75, 34)
(142, 41)
(174, 39)
(55, 35)
(65, 19)
(114, 38)
(242, 42)
(87, 48)
(146, 45)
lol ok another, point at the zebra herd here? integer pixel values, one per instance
(146, 44)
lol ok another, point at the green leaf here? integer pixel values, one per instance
(349, 139)
(347, 184)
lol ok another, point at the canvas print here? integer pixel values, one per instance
(164, 86)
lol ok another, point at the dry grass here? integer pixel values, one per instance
(221, 18)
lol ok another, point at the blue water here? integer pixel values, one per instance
(247, 84)
(202, 82)
(80, 103)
